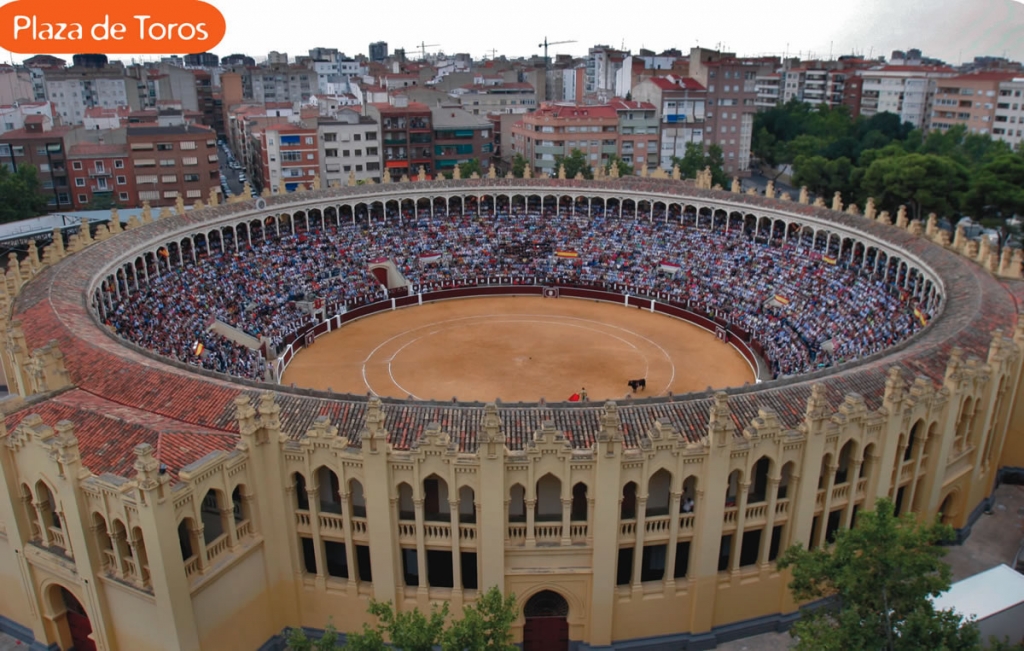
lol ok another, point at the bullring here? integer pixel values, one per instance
(151, 490)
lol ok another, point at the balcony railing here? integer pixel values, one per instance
(547, 533)
(578, 532)
(332, 524)
(192, 566)
(517, 534)
(217, 547)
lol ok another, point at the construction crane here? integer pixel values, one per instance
(545, 45)
(423, 48)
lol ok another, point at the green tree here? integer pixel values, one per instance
(575, 162)
(997, 189)
(20, 194)
(467, 170)
(695, 159)
(925, 182)
(299, 641)
(519, 163)
(625, 169)
(485, 625)
(880, 576)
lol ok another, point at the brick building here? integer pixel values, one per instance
(101, 172)
(681, 107)
(43, 146)
(628, 130)
(172, 161)
(460, 137)
(407, 136)
(287, 153)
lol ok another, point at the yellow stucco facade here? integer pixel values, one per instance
(669, 538)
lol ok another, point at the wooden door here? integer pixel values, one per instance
(546, 634)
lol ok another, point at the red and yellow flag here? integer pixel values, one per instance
(566, 254)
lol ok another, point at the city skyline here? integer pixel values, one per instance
(952, 30)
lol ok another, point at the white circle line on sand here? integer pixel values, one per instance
(519, 318)
(548, 322)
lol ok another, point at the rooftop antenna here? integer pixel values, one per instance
(830, 50)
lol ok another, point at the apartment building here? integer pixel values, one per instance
(15, 85)
(288, 153)
(628, 130)
(407, 136)
(282, 83)
(504, 97)
(769, 88)
(681, 109)
(1009, 119)
(460, 137)
(602, 66)
(168, 162)
(101, 172)
(349, 143)
(13, 116)
(731, 85)
(43, 146)
(970, 100)
(902, 90)
(245, 119)
(73, 90)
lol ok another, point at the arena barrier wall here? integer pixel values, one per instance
(746, 345)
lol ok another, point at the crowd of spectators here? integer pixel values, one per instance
(804, 311)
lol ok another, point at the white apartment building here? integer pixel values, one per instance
(72, 92)
(1009, 118)
(903, 90)
(13, 117)
(283, 84)
(349, 143)
(769, 90)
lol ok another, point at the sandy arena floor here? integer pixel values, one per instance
(517, 349)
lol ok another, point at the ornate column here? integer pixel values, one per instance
(851, 501)
(199, 538)
(823, 522)
(421, 548)
(590, 520)
(346, 525)
(769, 522)
(673, 535)
(638, 548)
(566, 521)
(227, 518)
(119, 563)
(453, 506)
(45, 536)
(531, 540)
(97, 539)
(741, 516)
(313, 496)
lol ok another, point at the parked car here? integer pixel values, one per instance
(242, 177)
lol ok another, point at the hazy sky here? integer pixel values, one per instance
(953, 30)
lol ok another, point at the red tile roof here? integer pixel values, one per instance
(108, 432)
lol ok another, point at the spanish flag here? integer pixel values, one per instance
(198, 348)
(566, 254)
(164, 252)
(829, 259)
(782, 299)
(921, 316)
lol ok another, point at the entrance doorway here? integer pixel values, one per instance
(79, 627)
(547, 623)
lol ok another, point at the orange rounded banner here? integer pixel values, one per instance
(117, 27)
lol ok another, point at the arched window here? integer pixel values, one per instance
(301, 497)
(758, 491)
(187, 539)
(733, 490)
(549, 499)
(912, 441)
(517, 504)
(579, 502)
(843, 468)
(356, 498)
(467, 506)
(435, 499)
(658, 489)
(329, 490)
(628, 509)
(406, 506)
(213, 521)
